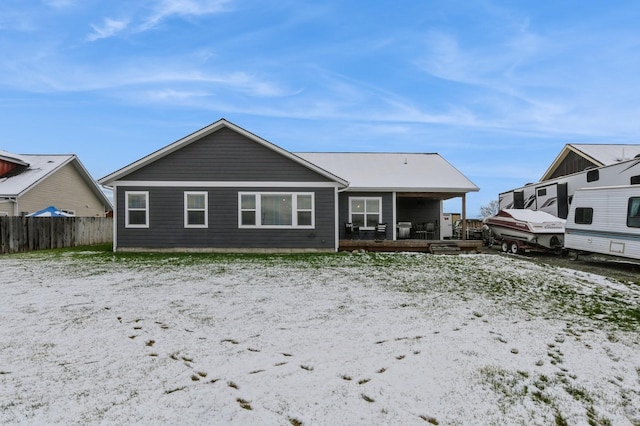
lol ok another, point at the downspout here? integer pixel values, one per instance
(12, 200)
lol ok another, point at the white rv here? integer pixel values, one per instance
(554, 196)
(604, 220)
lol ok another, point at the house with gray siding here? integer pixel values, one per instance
(224, 189)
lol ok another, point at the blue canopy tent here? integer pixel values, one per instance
(50, 211)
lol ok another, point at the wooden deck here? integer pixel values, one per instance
(426, 246)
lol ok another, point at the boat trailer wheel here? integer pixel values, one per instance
(505, 247)
(514, 248)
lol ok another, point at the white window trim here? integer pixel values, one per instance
(187, 210)
(294, 210)
(126, 209)
(379, 199)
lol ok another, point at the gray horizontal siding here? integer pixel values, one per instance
(166, 219)
(225, 156)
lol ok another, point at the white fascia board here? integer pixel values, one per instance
(218, 184)
(400, 190)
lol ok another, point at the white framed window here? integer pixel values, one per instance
(196, 209)
(137, 209)
(365, 212)
(276, 210)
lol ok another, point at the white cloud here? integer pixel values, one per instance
(107, 29)
(167, 8)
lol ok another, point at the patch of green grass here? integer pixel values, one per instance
(578, 393)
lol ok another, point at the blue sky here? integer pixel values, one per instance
(496, 87)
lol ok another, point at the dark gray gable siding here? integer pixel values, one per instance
(387, 209)
(225, 155)
(166, 217)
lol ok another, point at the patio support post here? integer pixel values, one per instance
(464, 216)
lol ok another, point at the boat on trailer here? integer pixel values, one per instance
(521, 230)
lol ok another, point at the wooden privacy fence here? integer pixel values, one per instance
(21, 234)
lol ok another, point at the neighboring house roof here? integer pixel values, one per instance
(406, 172)
(597, 154)
(36, 168)
(119, 174)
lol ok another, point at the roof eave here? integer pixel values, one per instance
(406, 189)
(84, 173)
(563, 154)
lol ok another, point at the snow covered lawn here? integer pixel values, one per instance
(344, 339)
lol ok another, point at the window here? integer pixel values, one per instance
(365, 212)
(584, 215)
(276, 210)
(137, 211)
(635, 180)
(633, 212)
(542, 192)
(195, 210)
(593, 175)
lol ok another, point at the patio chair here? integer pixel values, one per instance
(430, 229)
(381, 231)
(351, 230)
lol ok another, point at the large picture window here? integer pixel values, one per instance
(276, 210)
(365, 212)
(137, 211)
(633, 212)
(195, 210)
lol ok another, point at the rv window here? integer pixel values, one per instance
(635, 180)
(584, 215)
(542, 192)
(633, 212)
(593, 175)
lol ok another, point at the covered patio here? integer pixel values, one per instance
(417, 227)
(404, 191)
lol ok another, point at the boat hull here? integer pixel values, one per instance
(547, 234)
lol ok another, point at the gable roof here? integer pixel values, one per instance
(598, 154)
(39, 167)
(406, 172)
(119, 174)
